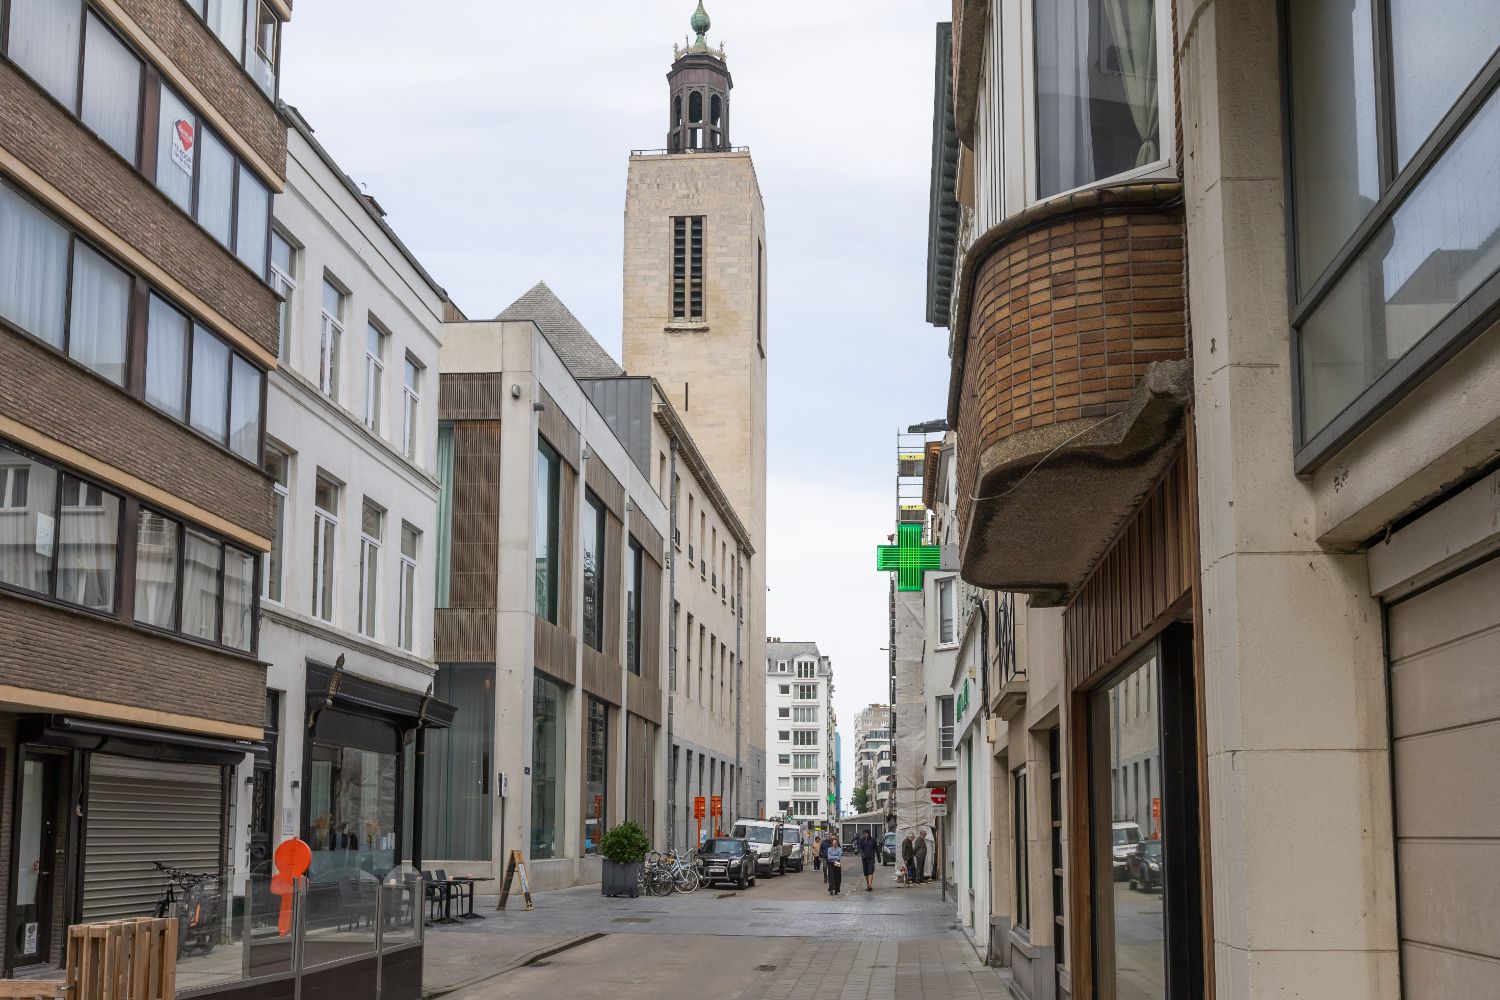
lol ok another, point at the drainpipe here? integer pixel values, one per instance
(672, 650)
(739, 669)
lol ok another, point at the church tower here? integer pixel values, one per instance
(695, 316)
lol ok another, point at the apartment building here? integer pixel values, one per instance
(347, 588)
(874, 769)
(800, 726)
(1251, 578)
(139, 152)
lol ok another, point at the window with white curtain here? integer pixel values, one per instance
(252, 213)
(100, 314)
(111, 104)
(239, 598)
(250, 30)
(226, 19)
(167, 332)
(157, 539)
(244, 409)
(28, 502)
(411, 398)
(406, 622)
(216, 168)
(87, 536)
(44, 42)
(210, 396)
(329, 344)
(176, 149)
(371, 523)
(33, 268)
(202, 560)
(375, 339)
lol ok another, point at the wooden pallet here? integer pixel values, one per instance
(33, 989)
(123, 960)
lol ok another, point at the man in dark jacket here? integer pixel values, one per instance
(823, 846)
(919, 856)
(908, 852)
(869, 849)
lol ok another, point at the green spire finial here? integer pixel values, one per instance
(700, 23)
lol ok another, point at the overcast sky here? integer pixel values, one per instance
(496, 134)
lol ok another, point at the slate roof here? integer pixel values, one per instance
(788, 650)
(568, 337)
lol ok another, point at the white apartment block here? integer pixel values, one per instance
(873, 767)
(800, 769)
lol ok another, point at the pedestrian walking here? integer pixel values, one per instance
(834, 855)
(868, 848)
(919, 855)
(823, 853)
(818, 854)
(908, 859)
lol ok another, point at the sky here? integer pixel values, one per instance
(496, 136)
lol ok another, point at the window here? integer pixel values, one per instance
(805, 737)
(99, 315)
(371, 522)
(548, 491)
(945, 610)
(807, 670)
(44, 43)
(595, 776)
(325, 523)
(805, 783)
(225, 402)
(945, 729)
(687, 268)
(87, 531)
(443, 589)
(805, 714)
(332, 334)
(457, 791)
(785, 806)
(1019, 835)
(284, 282)
(634, 613)
(111, 104)
(276, 465)
(784, 689)
(406, 622)
(594, 603)
(784, 735)
(548, 757)
(805, 761)
(760, 297)
(783, 758)
(157, 544)
(807, 692)
(1055, 812)
(411, 398)
(239, 598)
(214, 582)
(784, 782)
(1393, 220)
(203, 560)
(250, 30)
(34, 255)
(375, 339)
(1098, 94)
(783, 713)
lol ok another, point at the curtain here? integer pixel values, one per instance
(87, 540)
(210, 383)
(28, 495)
(156, 570)
(111, 89)
(456, 810)
(101, 309)
(33, 268)
(244, 409)
(166, 359)
(44, 42)
(254, 229)
(200, 586)
(1065, 147)
(227, 19)
(215, 187)
(1133, 24)
(239, 598)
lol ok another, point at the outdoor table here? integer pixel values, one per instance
(471, 880)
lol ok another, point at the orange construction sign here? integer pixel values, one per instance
(698, 804)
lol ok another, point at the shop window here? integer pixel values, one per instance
(548, 763)
(596, 776)
(352, 810)
(457, 783)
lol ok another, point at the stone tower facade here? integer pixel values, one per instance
(695, 318)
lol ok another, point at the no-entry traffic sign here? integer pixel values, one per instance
(939, 796)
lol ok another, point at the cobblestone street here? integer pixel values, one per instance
(782, 940)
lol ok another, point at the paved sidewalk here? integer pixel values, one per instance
(453, 962)
(943, 969)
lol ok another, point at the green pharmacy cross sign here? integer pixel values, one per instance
(909, 559)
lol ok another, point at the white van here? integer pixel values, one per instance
(769, 841)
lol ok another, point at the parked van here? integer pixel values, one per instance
(770, 840)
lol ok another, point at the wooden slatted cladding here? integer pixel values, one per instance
(1139, 583)
(555, 652)
(475, 549)
(559, 430)
(605, 486)
(470, 396)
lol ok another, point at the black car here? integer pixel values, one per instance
(1143, 866)
(888, 850)
(727, 859)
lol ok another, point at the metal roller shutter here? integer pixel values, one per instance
(1445, 705)
(144, 811)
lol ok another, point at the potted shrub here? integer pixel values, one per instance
(624, 848)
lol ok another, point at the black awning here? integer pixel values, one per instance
(77, 733)
(362, 695)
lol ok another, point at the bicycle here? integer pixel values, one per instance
(196, 900)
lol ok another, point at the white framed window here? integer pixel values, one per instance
(411, 399)
(805, 783)
(273, 575)
(807, 670)
(805, 737)
(804, 761)
(284, 283)
(807, 692)
(783, 758)
(371, 524)
(325, 529)
(784, 782)
(805, 714)
(784, 805)
(945, 589)
(375, 339)
(784, 735)
(784, 689)
(330, 340)
(406, 622)
(945, 729)
(783, 713)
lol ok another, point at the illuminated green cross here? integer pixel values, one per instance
(909, 559)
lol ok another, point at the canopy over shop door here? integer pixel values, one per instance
(1445, 704)
(144, 811)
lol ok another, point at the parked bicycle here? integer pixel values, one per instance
(196, 899)
(663, 874)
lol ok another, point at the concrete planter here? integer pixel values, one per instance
(621, 879)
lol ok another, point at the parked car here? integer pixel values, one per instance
(727, 859)
(1126, 836)
(796, 858)
(1143, 867)
(888, 850)
(767, 838)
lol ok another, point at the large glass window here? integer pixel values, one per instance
(28, 522)
(33, 268)
(88, 532)
(210, 394)
(226, 389)
(176, 149)
(203, 558)
(99, 315)
(253, 215)
(548, 762)
(352, 814)
(250, 30)
(239, 598)
(244, 409)
(156, 552)
(593, 571)
(1098, 93)
(215, 187)
(167, 332)
(1367, 97)
(548, 497)
(44, 43)
(634, 614)
(1020, 838)
(111, 88)
(456, 815)
(596, 776)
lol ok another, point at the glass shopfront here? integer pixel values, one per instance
(457, 786)
(353, 811)
(596, 776)
(548, 767)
